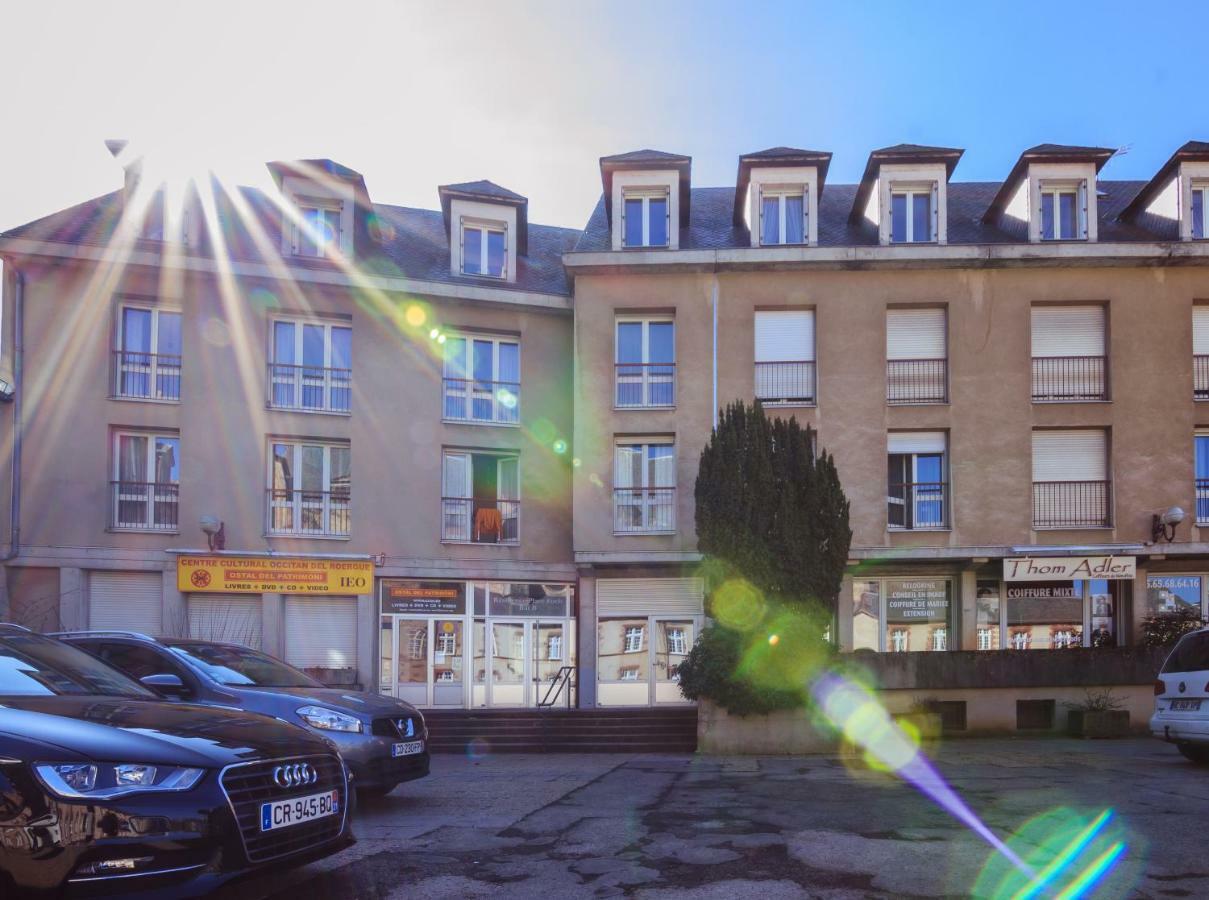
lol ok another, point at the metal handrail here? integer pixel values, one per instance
(910, 381)
(333, 507)
(915, 494)
(1072, 504)
(467, 528)
(503, 396)
(334, 388)
(146, 376)
(144, 505)
(1200, 376)
(785, 381)
(1070, 378)
(562, 678)
(649, 384)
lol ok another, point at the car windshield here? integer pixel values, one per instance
(232, 665)
(1191, 654)
(32, 665)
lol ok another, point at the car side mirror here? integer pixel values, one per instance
(165, 684)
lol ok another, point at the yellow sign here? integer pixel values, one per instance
(273, 575)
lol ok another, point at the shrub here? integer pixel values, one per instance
(1165, 628)
(1097, 701)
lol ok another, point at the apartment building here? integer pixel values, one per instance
(451, 453)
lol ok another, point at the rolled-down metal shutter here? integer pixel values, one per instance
(230, 618)
(1200, 330)
(650, 596)
(321, 632)
(915, 334)
(1077, 455)
(916, 442)
(126, 601)
(785, 335)
(1068, 331)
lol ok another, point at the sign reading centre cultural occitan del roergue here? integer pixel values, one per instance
(273, 575)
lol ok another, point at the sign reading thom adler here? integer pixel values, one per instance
(1069, 568)
(273, 575)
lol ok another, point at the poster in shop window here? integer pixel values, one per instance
(917, 600)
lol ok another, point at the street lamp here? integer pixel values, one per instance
(1162, 527)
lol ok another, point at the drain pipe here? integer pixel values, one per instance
(714, 343)
(18, 390)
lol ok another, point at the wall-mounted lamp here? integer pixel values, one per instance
(379, 559)
(216, 533)
(1162, 526)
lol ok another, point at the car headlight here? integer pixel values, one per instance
(328, 719)
(78, 781)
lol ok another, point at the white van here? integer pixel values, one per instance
(1181, 702)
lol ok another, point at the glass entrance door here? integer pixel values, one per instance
(411, 660)
(673, 639)
(447, 662)
(550, 653)
(508, 676)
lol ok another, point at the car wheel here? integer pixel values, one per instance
(1198, 753)
(376, 792)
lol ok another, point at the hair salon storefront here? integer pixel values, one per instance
(1017, 603)
(463, 644)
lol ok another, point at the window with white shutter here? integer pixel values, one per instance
(916, 356)
(229, 618)
(1069, 356)
(1200, 352)
(321, 632)
(785, 365)
(1071, 484)
(126, 601)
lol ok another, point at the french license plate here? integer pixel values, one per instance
(1185, 704)
(284, 813)
(407, 749)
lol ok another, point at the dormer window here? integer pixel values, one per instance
(318, 228)
(912, 213)
(1063, 211)
(645, 218)
(1200, 202)
(484, 249)
(783, 214)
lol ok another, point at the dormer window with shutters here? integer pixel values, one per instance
(319, 198)
(487, 226)
(904, 194)
(777, 195)
(1175, 202)
(316, 231)
(646, 198)
(1063, 210)
(1050, 194)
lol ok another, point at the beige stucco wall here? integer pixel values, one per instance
(1151, 417)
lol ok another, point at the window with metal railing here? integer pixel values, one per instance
(1070, 378)
(918, 505)
(1200, 376)
(645, 363)
(1069, 353)
(917, 365)
(784, 356)
(147, 362)
(917, 381)
(1072, 504)
(311, 367)
(480, 498)
(1201, 462)
(482, 380)
(917, 495)
(310, 489)
(644, 492)
(145, 490)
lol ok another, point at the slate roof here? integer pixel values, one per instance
(645, 156)
(399, 242)
(484, 188)
(1192, 151)
(711, 222)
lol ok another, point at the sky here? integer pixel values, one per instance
(530, 94)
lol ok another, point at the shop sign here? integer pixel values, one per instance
(1057, 590)
(917, 600)
(1069, 568)
(510, 605)
(423, 597)
(273, 575)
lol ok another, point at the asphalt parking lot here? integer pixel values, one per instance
(667, 827)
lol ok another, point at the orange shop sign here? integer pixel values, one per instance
(273, 575)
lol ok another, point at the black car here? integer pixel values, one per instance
(384, 741)
(107, 789)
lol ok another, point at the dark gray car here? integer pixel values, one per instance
(383, 740)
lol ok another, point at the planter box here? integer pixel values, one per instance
(1103, 724)
(788, 732)
(927, 726)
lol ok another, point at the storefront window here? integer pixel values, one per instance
(918, 613)
(866, 615)
(1045, 615)
(987, 615)
(1173, 593)
(1103, 613)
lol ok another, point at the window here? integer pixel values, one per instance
(1200, 352)
(898, 640)
(629, 673)
(633, 638)
(785, 369)
(912, 214)
(917, 486)
(986, 615)
(446, 643)
(1201, 448)
(1020, 640)
(554, 647)
(418, 643)
(1071, 487)
(482, 379)
(917, 614)
(644, 488)
(782, 215)
(1063, 212)
(310, 489)
(986, 639)
(1069, 361)
(677, 641)
(1166, 594)
(1062, 638)
(480, 498)
(145, 490)
(645, 218)
(1049, 615)
(147, 361)
(940, 639)
(484, 249)
(646, 363)
(318, 230)
(311, 366)
(1200, 200)
(917, 356)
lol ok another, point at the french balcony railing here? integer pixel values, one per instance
(144, 506)
(644, 385)
(310, 388)
(785, 382)
(1200, 377)
(1072, 504)
(471, 520)
(644, 510)
(304, 513)
(917, 381)
(1069, 378)
(918, 506)
(470, 400)
(1202, 501)
(146, 376)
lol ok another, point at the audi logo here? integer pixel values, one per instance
(295, 775)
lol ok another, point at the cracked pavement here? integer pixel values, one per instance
(668, 827)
